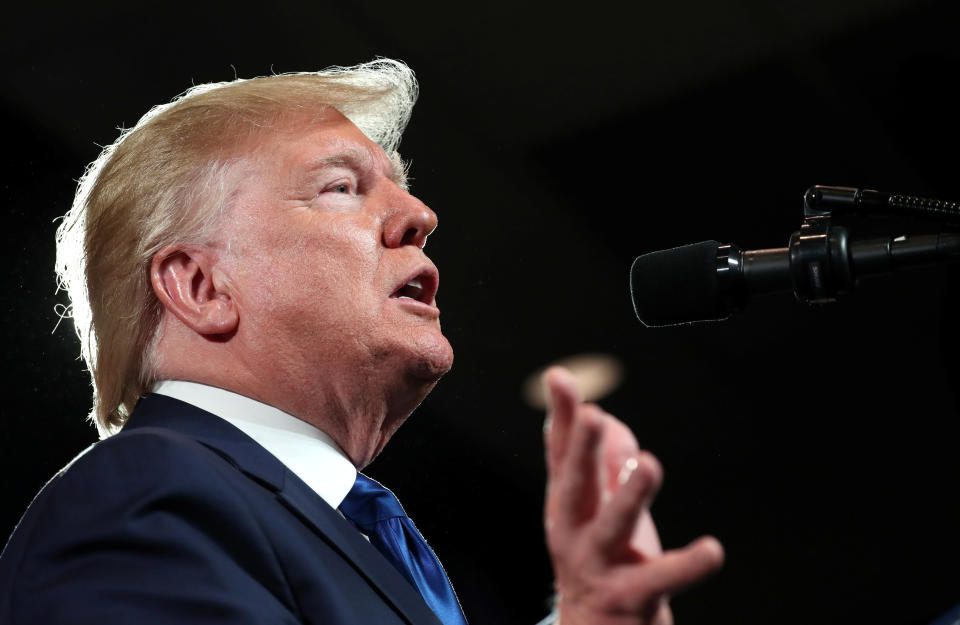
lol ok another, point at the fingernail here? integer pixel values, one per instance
(547, 424)
(628, 468)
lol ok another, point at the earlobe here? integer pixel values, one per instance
(183, 280)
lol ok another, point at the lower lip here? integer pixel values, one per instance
(418, 306)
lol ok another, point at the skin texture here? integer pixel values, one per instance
(293, 303)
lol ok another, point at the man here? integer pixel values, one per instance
(254, 303)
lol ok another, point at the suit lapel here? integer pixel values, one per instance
(328, 523)
(256, 462)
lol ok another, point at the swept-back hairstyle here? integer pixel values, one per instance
(167, 180)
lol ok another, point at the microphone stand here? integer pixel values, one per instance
(825, 261)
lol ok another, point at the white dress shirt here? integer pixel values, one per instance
(307, 451)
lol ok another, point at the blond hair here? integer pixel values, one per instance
(167, 180)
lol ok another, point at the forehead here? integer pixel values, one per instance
(305, 143)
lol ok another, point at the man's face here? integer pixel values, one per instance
(323, 251)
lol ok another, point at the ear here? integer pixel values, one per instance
(184, 281)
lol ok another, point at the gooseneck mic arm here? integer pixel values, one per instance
(708, 281)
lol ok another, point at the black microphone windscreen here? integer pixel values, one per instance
(677, 285)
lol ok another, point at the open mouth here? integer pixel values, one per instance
(421, 287)
(411, 290)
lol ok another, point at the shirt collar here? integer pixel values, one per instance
(308, 452)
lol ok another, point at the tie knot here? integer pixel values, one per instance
(369, 502)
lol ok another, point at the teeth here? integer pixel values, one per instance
(411, 290)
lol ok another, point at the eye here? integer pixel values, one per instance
(341, 187)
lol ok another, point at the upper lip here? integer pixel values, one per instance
(429, 280)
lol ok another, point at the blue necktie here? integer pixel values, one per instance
(375, 511)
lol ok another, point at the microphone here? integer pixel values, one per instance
(708, 281)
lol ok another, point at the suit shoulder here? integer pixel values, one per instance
(155, 526)
(131, 474)
(144, 508)
(159, 448)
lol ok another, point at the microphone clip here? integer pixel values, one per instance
(821, 256)
(820, 260)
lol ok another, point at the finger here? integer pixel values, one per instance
(641, 477)
(562, 399)
(619, 447)
(575, 487)
(645, 539)
(679, 568)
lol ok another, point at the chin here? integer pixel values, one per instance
(433, 358)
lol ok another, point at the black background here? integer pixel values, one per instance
(556, 143)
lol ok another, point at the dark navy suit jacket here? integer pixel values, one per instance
(182, 518)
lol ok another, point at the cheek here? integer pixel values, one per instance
(324, 291)
(312, 274)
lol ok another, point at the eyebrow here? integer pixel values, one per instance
(360, 160)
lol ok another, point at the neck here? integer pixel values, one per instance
(360, 408)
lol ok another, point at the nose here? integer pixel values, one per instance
(409, 223)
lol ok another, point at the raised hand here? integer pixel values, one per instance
(608, 564)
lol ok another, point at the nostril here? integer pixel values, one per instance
(410, 237)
